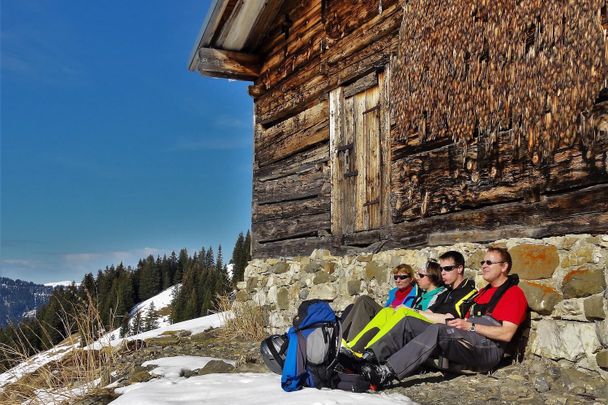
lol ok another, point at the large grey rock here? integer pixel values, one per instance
(322, 292)
(252, 284)
(321, 277)
(242, 296)
(375, 270)
(280, 268)
(271, 298)
(571, 310)
(353, 287)
(283, 298)
(216, 366)
(541, 298)
(583, 282)
(312, 266)
(594, 307)
(564, 340)
(320, 254)
(602, 359)
(602, 332)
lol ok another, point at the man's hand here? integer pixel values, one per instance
(459, 324)
(503, 333)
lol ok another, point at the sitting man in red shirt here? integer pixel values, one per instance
(478, 340)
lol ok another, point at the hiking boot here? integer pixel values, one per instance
(377, 374)
(349, 353)
(369, 356)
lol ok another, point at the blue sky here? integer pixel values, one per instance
(111, 148)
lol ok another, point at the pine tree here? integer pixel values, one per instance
(88, 286)
(124, 325)
(209, 261)
(124, 291)
(183, 262)
(151, 318)
(149, 282)
(241, 255)
(178, 304)
(136, 325)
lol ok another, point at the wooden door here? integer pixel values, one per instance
(359, 151)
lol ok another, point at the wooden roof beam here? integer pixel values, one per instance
(228, 64)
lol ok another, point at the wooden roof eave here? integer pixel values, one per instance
(229, 36)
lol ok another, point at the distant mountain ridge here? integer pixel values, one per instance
(20, 298)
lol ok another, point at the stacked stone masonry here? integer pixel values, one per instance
(564, 279)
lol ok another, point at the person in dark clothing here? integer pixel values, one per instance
(478, 340)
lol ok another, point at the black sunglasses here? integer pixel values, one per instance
(488, 262)
(421, 275)
(401, 277)
(449, 268)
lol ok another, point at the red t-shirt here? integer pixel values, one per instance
(400, 296)
(511, 307)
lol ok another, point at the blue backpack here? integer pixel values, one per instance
(313, 347)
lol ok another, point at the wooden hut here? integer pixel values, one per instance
(384, 123)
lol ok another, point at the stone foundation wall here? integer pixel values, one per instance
(564, 279)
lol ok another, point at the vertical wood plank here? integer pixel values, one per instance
(350, 164)
(336, 128)
(385, 150)
(361, 153)
(372, 181)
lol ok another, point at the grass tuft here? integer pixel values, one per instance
(78, 373)
(248, 320)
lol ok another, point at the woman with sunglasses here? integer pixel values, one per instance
(430, 282)
(405, 291)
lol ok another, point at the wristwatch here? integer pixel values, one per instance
(472, 328)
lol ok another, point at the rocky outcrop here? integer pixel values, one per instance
(564, 279)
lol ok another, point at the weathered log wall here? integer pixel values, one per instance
(440, 192)
(314, 47)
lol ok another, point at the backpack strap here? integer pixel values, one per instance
(512, 280)
(278, 354)
(487, 309)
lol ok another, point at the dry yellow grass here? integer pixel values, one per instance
(79, 373)
(248, 320)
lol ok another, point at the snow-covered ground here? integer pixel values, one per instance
(161, 300)
(225, 389)
(196, 325)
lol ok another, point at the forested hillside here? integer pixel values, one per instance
(19, 297)
(113, 291)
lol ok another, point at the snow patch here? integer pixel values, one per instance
(34, 363)
(242, 388)
(195, 326)
(160, 301)
(172, 367)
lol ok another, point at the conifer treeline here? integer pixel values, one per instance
(204, 279)
(241, 255)
(116, 289)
